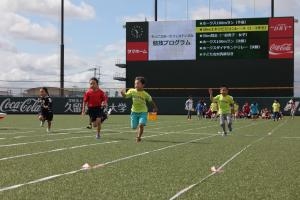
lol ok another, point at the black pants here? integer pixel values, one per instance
(47, 115)
(96, 112)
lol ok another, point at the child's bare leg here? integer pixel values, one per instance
(42, 120)
(49, 125)
(140, 132)
(97, 124)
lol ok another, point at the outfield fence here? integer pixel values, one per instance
(166, 105)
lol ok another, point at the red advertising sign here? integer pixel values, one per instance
(281, 27)
(137, 51)
(281, 48)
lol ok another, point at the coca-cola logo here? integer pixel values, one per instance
(29, 105)
(281, 48)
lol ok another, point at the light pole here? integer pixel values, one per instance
(187, 9)
(209, 9)
(272, 8)
(155, 10)
(230, 8)
(62, 54)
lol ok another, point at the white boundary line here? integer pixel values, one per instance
(56, 150)
(100, 165)
(68, 148)
(120, 132)
(74, 147)
(225, 163)
(41, 141)
(53, 134)
(60, 139)
(290, 137)
(13, 133)
(37, 129)
(213, 173)
(120, 129)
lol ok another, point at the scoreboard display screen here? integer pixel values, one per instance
(241, 38)
(244, 52)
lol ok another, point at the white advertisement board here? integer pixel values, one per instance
(169, 40)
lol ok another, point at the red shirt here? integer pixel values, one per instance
(246, 108)
(94, 98)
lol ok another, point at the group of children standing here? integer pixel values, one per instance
(201, 109)
(247, 111)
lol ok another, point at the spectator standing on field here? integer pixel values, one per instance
(189, 107)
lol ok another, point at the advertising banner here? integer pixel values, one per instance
(172, 40)
(166, 106)
(281, 48)
(281, 38)
(281, 27)
(30, 105)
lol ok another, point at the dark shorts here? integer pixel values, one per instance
(47, 115)
(96, 112)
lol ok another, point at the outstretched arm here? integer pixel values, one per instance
(83, 108)
(123, 92)
(155, 109)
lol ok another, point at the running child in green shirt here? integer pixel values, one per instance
(225, 103)
(139, 109)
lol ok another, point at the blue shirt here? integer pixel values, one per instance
(254, 109)
(199, 107)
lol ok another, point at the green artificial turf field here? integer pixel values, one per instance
(259, 159)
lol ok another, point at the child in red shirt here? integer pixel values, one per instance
(95, 99)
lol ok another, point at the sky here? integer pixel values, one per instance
(95, 38)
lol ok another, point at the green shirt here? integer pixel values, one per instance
(214, 107)
(276, 107)
(139, 100)
(236, 107)
(224, 103)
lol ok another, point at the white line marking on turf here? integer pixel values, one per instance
(74, 147)
(225, 163)
(66, 133)
(41, 141)
(38, 180)
(290, 137)
(50, 135)
(100, 165)
(190, 133)
(16, 132)
(213, 173)
(45, 135)
(54, 140)
(156, 150)
(56, 150)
